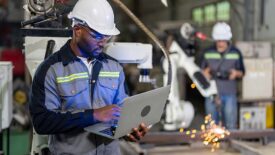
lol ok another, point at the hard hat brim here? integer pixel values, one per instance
(110, 32)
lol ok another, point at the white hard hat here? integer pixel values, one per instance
(221, 31)
(97, 14)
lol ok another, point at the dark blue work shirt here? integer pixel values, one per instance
(223, 63)
(61, 104)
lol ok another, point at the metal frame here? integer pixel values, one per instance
(163, 138)
(46, 32)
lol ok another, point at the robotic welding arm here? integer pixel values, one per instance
(180, 113)
(206, 87)
(185, 59)
(136, 53)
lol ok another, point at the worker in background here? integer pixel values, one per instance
(224, 63)
(79, 86)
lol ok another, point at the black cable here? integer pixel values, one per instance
(95, 145)
(8, 141)
(49, 49)
(1, 143)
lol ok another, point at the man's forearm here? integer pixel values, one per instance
(50, 122)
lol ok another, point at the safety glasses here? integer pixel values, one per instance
(95, 35)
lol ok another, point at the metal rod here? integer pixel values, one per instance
(8, 141)
(1, 101)
(178, 138)
(1, 143)
(150, 35)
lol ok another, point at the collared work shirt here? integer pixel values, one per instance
(61, 102)
(232, 59)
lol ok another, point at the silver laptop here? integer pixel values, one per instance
(145, 107)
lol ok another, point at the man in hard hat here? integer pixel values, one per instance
(79, 86)
(223, 62)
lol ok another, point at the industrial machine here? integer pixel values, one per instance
(6, 104)
(179, 113)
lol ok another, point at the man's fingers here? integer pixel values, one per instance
(143, 126)
(116, 114)
(137, 134)
(114, 117)
(131, 138)
(143, 129)
(116, 108)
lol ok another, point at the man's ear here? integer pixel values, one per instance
(77, 31)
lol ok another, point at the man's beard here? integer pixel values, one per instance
(88, 52)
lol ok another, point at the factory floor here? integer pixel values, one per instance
(189, 150)
(20, 144)
(256, 148)
(197, 148)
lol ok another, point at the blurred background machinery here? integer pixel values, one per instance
(180, 113)
(6, 106)
(254, 34)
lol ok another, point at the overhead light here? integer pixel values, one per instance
(164, 2)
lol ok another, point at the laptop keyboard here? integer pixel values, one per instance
(108, 131)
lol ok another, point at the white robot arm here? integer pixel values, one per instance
(180, 113)
(136, 53)
(206, 88)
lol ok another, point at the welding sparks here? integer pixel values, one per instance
(211, 134)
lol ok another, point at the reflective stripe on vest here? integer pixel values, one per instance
(232, 56)
(212, 56)
(83, 75)
(109, 74)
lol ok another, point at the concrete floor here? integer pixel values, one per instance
(266, 149)
(194, 149)
(257, 148)
(198, 148)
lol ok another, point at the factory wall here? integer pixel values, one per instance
(181, 10)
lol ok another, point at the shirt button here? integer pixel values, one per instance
(73, 91)
(93, 81)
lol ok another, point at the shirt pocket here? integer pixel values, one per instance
(72, 88)
(108, 87)
(74, 94)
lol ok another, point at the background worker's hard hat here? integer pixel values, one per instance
(97, 14)
(221, 31)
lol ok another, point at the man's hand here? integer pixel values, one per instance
(206, 73)
(107, 113)
(234, 74)
(137, 133)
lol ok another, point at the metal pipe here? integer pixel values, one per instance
(1, 134)
(249, 20)
(178, 138)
